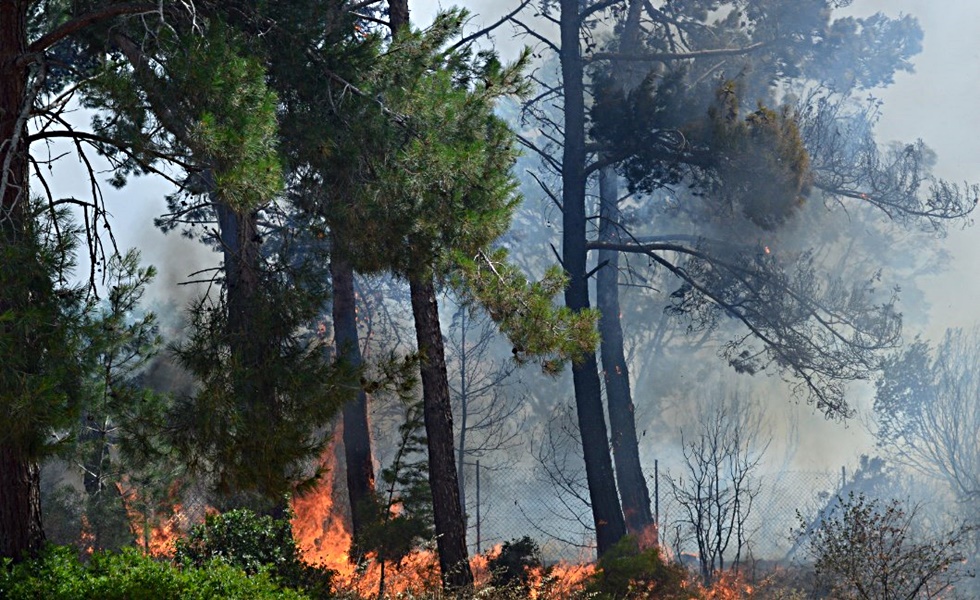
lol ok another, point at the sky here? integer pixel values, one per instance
(937, 103)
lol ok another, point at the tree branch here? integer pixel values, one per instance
(469, 38)
(82, 21)
(666, 56)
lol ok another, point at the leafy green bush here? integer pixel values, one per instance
(625, 571)
(128, 575)
(251, 542)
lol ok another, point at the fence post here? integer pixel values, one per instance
(656, 494)
(478, 542)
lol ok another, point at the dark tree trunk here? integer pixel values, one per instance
(20, 493)
(443, 479)
(357, 433)
(20, 505)
(629, 472)
(606, 512)
(398, 16)
(454, 563)
(250, 342)
(463, 414)
(622, 423)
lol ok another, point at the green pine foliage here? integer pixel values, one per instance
(759, 166)
(401, 512)
(513, 565)
(626, 571)
(425, 157)
(41, 336)
(117, 435)
(261, 448)
(525, 311)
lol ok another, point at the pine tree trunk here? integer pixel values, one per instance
(20, 476)
(20, 505)
(606, 512)
(450, 527)
(629, 472)
(250, 343)
(454, 563)
(357, 433)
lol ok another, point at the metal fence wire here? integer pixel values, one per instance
(527, 500)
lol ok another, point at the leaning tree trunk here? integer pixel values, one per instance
(443, 478)
(629, 472)
(357, 434)
(20, 476)
(606, 512)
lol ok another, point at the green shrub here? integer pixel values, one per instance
(625, 571)
(251, 542)
(129, 575)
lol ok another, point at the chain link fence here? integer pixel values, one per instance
(503, 503)
(529, 500)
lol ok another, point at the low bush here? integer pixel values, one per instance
(251, 542)
(626, 571)
(513, 566)
(58, 574)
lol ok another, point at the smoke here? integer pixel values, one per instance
(937, 103)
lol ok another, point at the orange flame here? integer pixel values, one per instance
(155, 535)
(324, 539)
(728, 585)
(87, 538)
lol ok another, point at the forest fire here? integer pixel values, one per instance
(324, 539)
(157, 529)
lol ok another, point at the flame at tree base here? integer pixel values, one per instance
(324, 540)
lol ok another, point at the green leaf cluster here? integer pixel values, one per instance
(514, 563)
(400, 514)
(425, 160)
(254, 429)
(255, 544)
(41, 335)
(761, 167)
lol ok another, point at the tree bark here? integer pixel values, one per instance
(454, 563)
(20, 476)
(463, 415)
(20, 505)
(629, 472)
(357, 433)
(250, 344)
(443, 478)
(606, 513)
